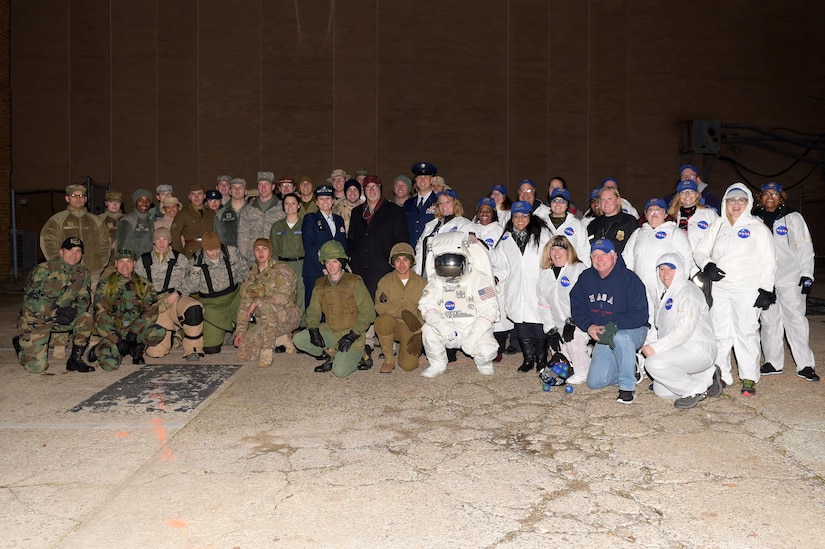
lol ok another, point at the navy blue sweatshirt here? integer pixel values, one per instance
(619, 297)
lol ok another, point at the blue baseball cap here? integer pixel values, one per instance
(486, 201)
(448, 192)
(594, 194)
(691, 167)
(560, 193)
(500, 188)
(521, 207)
(602, 245)
(526, 181)
(687, 185)
(772, 186)
(613, 179)
(655, 202)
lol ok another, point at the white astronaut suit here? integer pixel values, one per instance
(683, 363)
(459, 303)
(795, 259)
(745, 252)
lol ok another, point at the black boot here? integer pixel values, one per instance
(93, 354)
(15, 341)
(75, 362)
(542, 352)
(528, 350)
(137, 354)
(452, 355)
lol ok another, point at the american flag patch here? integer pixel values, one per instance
(487, 293)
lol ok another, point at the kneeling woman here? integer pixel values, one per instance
(681, 360)
(561, 268)
(268, 293)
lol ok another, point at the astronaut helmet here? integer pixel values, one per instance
(451, 265)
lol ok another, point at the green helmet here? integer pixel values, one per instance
(332, 249)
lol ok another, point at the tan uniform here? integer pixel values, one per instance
(392, 297)
(190, 225)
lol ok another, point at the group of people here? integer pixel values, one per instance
(670, 294)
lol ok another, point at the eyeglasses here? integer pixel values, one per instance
(558, 201)
(770, 194)
(372, 186)
(77, 195)
(527, 191)
(736, 200)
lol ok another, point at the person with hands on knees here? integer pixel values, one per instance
(396, 303)
(560, 270)
(680, 361)
(56, 299)
(609, 303)
(459, 304)
(343, 299)
(738, 254)
(794, 278)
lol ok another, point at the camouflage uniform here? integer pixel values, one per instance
(255, 222)
(216, 283)
(226, 223)
(123, 306)
(168, 275)
(136, 231)
(50, 286)
(276, 314)
(190, 225)
(84, 225)
(347, 306)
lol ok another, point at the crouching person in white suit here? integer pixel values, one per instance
(680, 361)
(459, 304)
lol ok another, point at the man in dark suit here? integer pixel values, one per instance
(317, 228)
(420, 209)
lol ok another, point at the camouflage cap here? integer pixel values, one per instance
(124, 253)
(164, 188)
(72, 242)
(227, 178)
(75, 189)
(113, 196)
(238, 181)
(266, 176)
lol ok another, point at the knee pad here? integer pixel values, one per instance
(193, 315)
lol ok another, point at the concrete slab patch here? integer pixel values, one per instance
(161, 388)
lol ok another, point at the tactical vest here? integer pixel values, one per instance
(338, 301)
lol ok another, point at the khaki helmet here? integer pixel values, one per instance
(331, 249)
(402, 248)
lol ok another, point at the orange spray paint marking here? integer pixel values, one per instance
(160, 432)
(177, 523)
(121, 434)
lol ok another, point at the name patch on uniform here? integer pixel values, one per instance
(569, 231)
(782, 230)
(669, 303)
(660, 235)
(702, 225)
(449, 305)
(743, 233)
(564, 281)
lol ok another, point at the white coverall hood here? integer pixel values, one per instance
(747, 213)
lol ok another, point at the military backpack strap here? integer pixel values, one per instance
(225, 253)
(147, 264)
(170, 266)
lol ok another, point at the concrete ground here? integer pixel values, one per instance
(285, 457)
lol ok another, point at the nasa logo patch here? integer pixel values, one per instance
(564, 281)
(660, 235)
(669, 303)
(449, 305)
(702, 225)
(782, 230)
(743, 233)
(569, 231)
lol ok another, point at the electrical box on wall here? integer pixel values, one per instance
(700, 136)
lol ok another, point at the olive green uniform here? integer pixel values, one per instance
(123, 306)
(288, 246)
(272, 289)
(84, 225)
(392, 297)
(50, 286)
(190, 225)
(347, 305)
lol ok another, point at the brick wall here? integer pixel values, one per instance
(139, 93)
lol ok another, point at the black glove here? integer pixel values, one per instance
(412, 322)
(713, 272)
(346, 341)
(806, 284)
(65, 315)
(555, 340)
(569, 330)
(316, 338)
(765, 299)
(122, 347)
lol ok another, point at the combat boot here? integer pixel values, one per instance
(15, 341)
(137, 354)
(75, 362)
(265, 360)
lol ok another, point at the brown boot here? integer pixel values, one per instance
(389, 364)
(265, 360)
